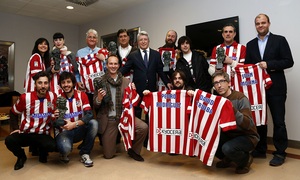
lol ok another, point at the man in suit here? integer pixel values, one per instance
(146, 65)
(273, 53)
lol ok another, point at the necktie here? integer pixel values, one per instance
(145, 58)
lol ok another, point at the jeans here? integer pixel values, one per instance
(237, 149)
(87, 133)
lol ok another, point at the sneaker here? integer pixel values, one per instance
(224, 163)
(134, 155)
(245, 169)
(277, 160)
(257, 154)
(64, 158)
(86, 160)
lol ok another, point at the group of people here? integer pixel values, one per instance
(96, 79)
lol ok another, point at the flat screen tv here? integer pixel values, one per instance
(206, 35)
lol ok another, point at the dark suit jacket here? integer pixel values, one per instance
(145, 78)
(120, 59)
(278, 57)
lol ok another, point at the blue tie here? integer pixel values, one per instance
(145, 58)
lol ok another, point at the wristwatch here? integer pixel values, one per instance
(76, 123)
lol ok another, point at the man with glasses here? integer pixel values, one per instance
(235, 145)
(234, 53)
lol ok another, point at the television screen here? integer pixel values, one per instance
(206, 35)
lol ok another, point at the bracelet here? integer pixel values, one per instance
(76, 123)
(98, 102)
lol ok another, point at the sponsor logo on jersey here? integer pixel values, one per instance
(196, 136)
(174, 132)
(257, 107)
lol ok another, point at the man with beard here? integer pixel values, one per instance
(36, 108)
(171, 38)
(170, 48)
(78, 124)
(179, 81)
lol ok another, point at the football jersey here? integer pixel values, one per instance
(236, 52)
(76, 107)
(251, 80)
(127, 124)
(35, 65)
(168, 120)
(209, 114)
(91, 67)
(36, 114)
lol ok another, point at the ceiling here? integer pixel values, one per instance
(55, 10)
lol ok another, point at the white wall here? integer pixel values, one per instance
(24, 31)
(158, 16)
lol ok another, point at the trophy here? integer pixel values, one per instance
(101, 85)
(55, 54)
(220, 58)
(112, 48)
(61, 106)
(166, 59)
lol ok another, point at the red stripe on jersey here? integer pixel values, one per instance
(209, 114)
(168, 120)
(251, 80)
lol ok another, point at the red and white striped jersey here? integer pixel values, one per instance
(251, 80)
(65, 65)
(35, 65)
(126, 127)
(91, 67)
(209, 114)
(76, 107)
(236, 52)
(36, 114)
(127, 124)
(168, 120)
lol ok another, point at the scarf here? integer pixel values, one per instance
(107, 80)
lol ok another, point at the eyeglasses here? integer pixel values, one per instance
(221, 82)
(228, 31)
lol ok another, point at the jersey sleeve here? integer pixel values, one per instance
(85, 101)
(35, 64)
(227, 117)
(20, 105)
(146, 102)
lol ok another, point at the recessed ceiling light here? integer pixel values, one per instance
(70, 7)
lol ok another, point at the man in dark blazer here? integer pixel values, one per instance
(273, 53)
(124, 49)
(145, 73)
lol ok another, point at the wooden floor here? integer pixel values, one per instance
(156, 166)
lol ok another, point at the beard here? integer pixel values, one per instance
(178, 86)
(169, 44)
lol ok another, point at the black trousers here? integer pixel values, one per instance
(16, 141)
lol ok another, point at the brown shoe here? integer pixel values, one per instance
(134, 155)
(245, 169)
